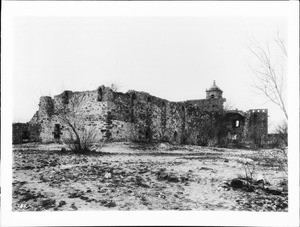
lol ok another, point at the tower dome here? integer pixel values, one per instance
(214, 91)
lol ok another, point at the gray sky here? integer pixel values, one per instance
(175, 58)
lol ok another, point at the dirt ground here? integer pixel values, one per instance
(128, 176)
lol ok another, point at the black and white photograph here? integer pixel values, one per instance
(185, 110)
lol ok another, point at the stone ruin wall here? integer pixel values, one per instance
(154, 119)
(92, 112)
(134, 115)
(257, 124)
(139, 116)
(26, 132)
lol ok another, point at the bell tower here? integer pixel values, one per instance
(214, 92)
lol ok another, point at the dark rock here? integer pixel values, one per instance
(173, 178)
(84, 198)
(109, 203)
(273, 191)
(205, 168)
(76, 194)
(47, 203)
(26, 196)
(162, 176)
(63, 150)
(28, 167)
(284, 205)
(62, 203)
(73, 206)
(238, 183)
(184, 179)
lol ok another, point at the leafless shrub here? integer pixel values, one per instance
(282, 135)
(115, 87)
(79, 138)
(249, 169)
(87, 138)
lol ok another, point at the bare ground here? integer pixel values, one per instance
(128, 176)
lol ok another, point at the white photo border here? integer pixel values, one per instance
(11, 10)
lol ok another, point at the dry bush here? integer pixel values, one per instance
(281, 139)
(78, 138)
(83, 142)
(249, 169)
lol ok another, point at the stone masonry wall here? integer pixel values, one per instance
(91, 111)
(136, 116)
(256, 129)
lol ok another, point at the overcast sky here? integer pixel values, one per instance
(175, 58)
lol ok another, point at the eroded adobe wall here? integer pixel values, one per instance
(121, 116)
(133, 115)
(159, 108)
(94, 112)
(175, 122)
(148, 118)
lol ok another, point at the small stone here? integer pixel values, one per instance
(63, 150)
(47, 203)
(273, 191)
(110, 204)
(162, 176)
(73, 206)
(62, 203)
(173, 178)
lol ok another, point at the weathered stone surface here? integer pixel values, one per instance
(139, 116)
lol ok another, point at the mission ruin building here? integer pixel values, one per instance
(139, 116)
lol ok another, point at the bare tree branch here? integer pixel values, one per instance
(269, 80)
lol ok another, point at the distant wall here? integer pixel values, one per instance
(256, 129)
(18, 129)
(25, 132)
